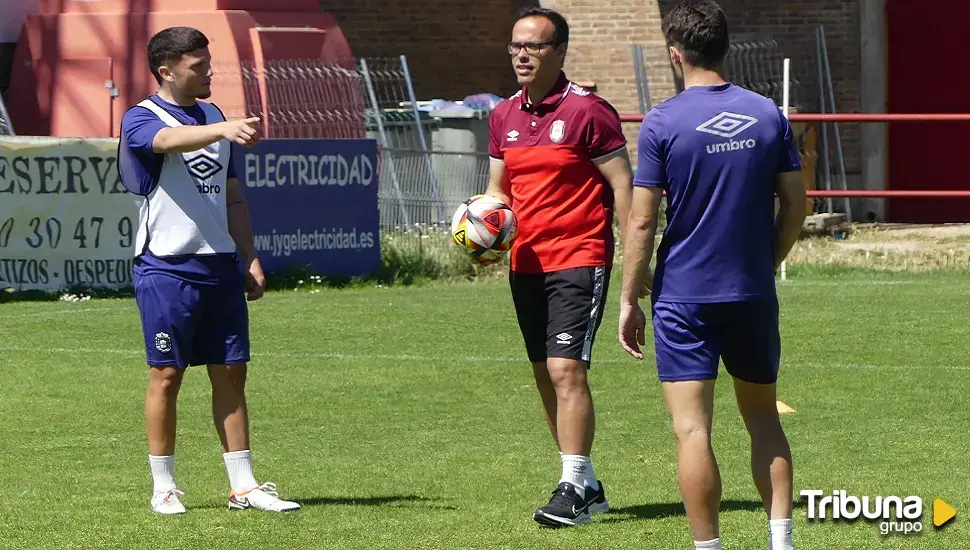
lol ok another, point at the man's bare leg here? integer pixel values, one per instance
(691, 407)
(771, 460)
(547, 391)
(229, 412)
(161, 398)
(231, 417)
(575, 419)
(160, 409)
(575, 428)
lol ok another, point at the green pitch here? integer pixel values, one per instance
(407, 418)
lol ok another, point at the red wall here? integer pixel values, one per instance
(927, 46)
(63, 61)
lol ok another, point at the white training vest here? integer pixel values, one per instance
(186, 212)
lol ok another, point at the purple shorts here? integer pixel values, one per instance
(187, 324)
(692, 339)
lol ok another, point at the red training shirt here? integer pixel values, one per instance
(563, 204)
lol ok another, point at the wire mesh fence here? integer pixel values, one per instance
(391, 94)
(311, 99)
(296, 98)
(757, 64)
(6, 129)
(422, 180)
(423, 177)
(459, 176)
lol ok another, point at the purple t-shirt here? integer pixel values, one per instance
(140, 168)
(716, 151)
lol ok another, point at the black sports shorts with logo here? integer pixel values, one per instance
(560, 312)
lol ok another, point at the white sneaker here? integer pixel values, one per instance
(263, 498)
(167, 502)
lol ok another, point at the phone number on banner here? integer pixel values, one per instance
(51, 252)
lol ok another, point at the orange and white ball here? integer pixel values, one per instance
(484, 227)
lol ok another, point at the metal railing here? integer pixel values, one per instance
(753, 62)
(757, 62)
(423, 177)
(296, 98)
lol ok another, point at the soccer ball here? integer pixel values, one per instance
(484, 227)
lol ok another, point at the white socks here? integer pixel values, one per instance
(239, 466)
(590, 479)
(163, 472)
(781, 538)
(578, 470)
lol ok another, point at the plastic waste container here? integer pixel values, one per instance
(460, 158)
(400, 129)
(406, 192)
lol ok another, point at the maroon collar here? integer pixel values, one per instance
(559, 92)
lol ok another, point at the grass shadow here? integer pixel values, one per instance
(669, 509)
(393, 500)
(390, 500)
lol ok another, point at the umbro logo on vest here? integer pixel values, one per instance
(201, 167)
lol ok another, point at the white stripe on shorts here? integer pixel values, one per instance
(597, 302)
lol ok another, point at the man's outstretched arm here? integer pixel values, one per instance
(183, 139)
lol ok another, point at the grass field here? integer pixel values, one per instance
(407, 418)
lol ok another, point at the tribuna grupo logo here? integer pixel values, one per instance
(895, 515)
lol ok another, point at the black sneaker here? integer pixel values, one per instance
(566, 508)
(596, 500)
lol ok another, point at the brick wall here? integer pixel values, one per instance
(602, 35)
(792, 25)
(457, 48)
(600, 49)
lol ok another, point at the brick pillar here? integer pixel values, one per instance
(873, 92)
(602, 35)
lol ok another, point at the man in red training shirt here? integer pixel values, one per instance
(559, 159)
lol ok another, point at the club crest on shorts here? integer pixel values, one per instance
(163, 342)
(558, 131)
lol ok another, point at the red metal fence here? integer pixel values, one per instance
(869, 118)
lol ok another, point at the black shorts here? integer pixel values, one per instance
(560, 312)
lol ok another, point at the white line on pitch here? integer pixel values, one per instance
(60, 312)
(349, 356)
(793, 282)
(470, 359)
